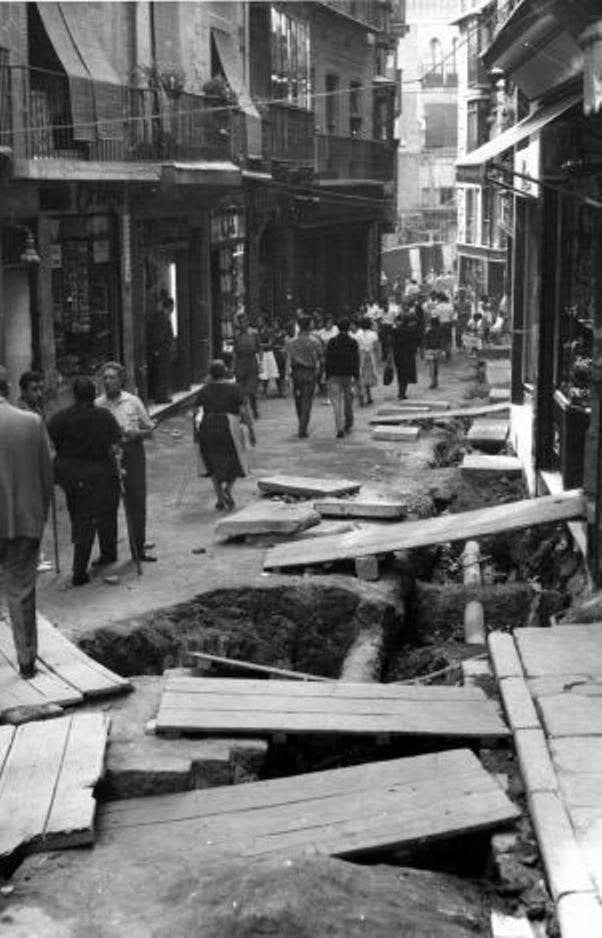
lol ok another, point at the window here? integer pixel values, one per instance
(451, 71)
(290, 82)
(472, 215)
(441, 125)
(436, 58)
(332, 104)
(446, 196)
(355, 109)
(476, 124)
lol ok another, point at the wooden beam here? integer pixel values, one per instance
(439, 416)
(411, 534)
(235, 664)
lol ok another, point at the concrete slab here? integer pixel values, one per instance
(306, 486)
(396, 434)
(483, 465)
(488, 434)
(361, 508)
(141, 764)
(266, 517)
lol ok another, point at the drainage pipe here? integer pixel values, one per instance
(474, 614)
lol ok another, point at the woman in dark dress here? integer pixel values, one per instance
(247, 353)
(221, 408)
(404, 343)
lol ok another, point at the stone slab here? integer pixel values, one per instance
(306, 486)
(567, 650)
(563, 861)
(360, 508)
(488, 433)
(503, 653)
(395, 434)
(266, 517)
(579, 916)
(518, 704)
(496, 395)
(534, 760)
(482, 464)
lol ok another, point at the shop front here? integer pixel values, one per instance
(228, 274)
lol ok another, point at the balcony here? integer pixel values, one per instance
(353, 158)
(374, 14)
(64, 118)
(288, 134)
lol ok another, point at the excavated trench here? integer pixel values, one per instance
(409, 625)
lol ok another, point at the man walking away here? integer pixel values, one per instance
(84, 437)
(25, 489)
(304, 357)
(136, 426)
(342, 369)
(31, 384)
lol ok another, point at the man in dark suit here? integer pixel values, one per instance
(342, 371)
(25, 490)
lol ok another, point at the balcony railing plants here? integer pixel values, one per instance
(79, 119)
(354, 158)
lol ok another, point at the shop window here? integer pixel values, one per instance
(84, 293)
(290, 48)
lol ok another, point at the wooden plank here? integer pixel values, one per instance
(454, 414)
(341, 812)
(238, 665)
(546, 652)
(266, 517)
(70, 820)
(411, 404)
(196, 705)
(306, 486)
(395, 434)
(73, 666)
(518, 705)
(579, 916)
(483, 464)
(497, 395)
(534, 759)
(423, 533)
(7, 734)
(504, 655)
(44, 688)
(361, 508)
(28, 781)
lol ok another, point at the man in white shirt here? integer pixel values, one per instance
(136, 426)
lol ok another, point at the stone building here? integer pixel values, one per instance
(229, 155)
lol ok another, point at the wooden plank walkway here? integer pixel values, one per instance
(233, 706)
(340, 812)
(411, 534)
(66, 675)
(48, 770)
(376, 508)
(454, 414)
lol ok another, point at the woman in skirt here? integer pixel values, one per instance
(369, 344)
(221, 409)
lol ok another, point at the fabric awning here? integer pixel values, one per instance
(471, 168)
(80, 86)
(230, 59)
(109, 89)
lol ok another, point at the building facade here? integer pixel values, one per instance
(548, 164)
(428, 125)
(228, 155)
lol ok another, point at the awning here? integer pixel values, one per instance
(200, 173)
(471, 168)
(109, 89)
(231, 64)
(80, 86)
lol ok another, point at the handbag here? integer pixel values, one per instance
(388, 374)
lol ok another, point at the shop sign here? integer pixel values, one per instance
(101, 252)
(227, 225)
(56, 256)
(527, 163)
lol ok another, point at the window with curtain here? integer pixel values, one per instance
(355, 109)
(290, 75)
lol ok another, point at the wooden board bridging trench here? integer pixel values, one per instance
(48, 770)
(411, 534)
(468, 412)
(66, 676)
(340, 812)
(235, 706)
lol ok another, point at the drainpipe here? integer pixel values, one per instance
(474, 615)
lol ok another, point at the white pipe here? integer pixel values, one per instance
(474, 614)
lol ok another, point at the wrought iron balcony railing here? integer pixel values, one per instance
(77, 119)
(354, 158)
(288, 134)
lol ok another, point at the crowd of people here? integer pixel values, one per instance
(98, 441)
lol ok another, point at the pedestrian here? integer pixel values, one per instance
(160, 338)
(432, 349)
(247, 356)
(31, 385)
(304, 359)
(269, 367)
(444, 310)
(136, 426)
(342, 369)
(404, 344)
(279, 345)
(367, 340)
(25, 490)
(220, 409)
(85, 438)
